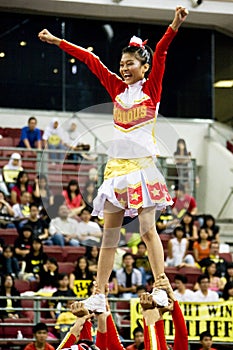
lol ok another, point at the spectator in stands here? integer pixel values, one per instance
(113, 285)
(81, 271)
(183, 202)
(53, 139)
(73, 198)
(89, 232)
(8, 262)
(22, 210)
(38, 225)
(190, 228)
(214, 255)
(211, 227)
(92, 255)
(228, 291)
(73, 143)
(64, 230)
(204, 294)
(93, 175)
(42, 195)
(206, 341)
(142, 262)
(65, 320)
(183, 164)
(128, 277)
(52, 211)
(63, 291)
(8, 306)
(229, 272)
(181, 292)
(177, 250)
(30, 135)
(201, 248)
(89, 193)
(138, 337)
(166, 221)
(216, 283)
(34, 261)
(6, 213)
(22, 185)
(40, 333)
(48, 275)
(23, 243)
(11, 170)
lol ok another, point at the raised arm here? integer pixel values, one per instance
(181, 333)
(112, 83)
(82, 325)
(158, 67)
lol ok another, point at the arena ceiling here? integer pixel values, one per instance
(216, 14)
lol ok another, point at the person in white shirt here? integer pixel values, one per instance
(128, 277)
(63, 230)
(182, 293)
(89, 232)
(204, 294)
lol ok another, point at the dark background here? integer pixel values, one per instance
(27, 78)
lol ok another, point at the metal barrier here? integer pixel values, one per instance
(59, 173)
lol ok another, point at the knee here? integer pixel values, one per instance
(148, 236)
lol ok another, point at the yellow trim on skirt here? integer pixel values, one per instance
(119, 167)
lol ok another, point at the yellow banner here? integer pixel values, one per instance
(215, 317)
(81, 288)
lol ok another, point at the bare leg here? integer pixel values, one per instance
(151, 238)
(113, 218)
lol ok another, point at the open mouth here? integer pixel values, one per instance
(127, 76)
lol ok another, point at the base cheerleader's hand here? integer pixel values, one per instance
(49, 38)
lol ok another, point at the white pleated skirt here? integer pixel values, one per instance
(130, 184)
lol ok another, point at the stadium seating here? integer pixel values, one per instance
(191, 273)
(66, 267)
(9, 235)
(22, 286)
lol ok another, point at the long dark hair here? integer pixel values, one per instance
(77, 191)
(228, 285)
(144, 55)
(3, 288)
(20, 175)
(208, 264)
(179, 141)
(79, 273)
(182, 223)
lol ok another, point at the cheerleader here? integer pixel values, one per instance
(132, 183)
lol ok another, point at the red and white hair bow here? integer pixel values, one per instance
(135, 41)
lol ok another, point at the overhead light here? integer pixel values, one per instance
(72, 60)
(23, 43)
(2, 54)
(55, 70)
(90, 48)
(224, 84)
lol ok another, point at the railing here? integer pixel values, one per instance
(58, 174)
(25, 324)
(14, 343)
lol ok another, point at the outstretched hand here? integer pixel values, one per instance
(49, 38)
(78, 309)
(181, 14)
(78, 326)
(163, 282)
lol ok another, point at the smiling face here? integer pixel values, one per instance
(131, 69)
